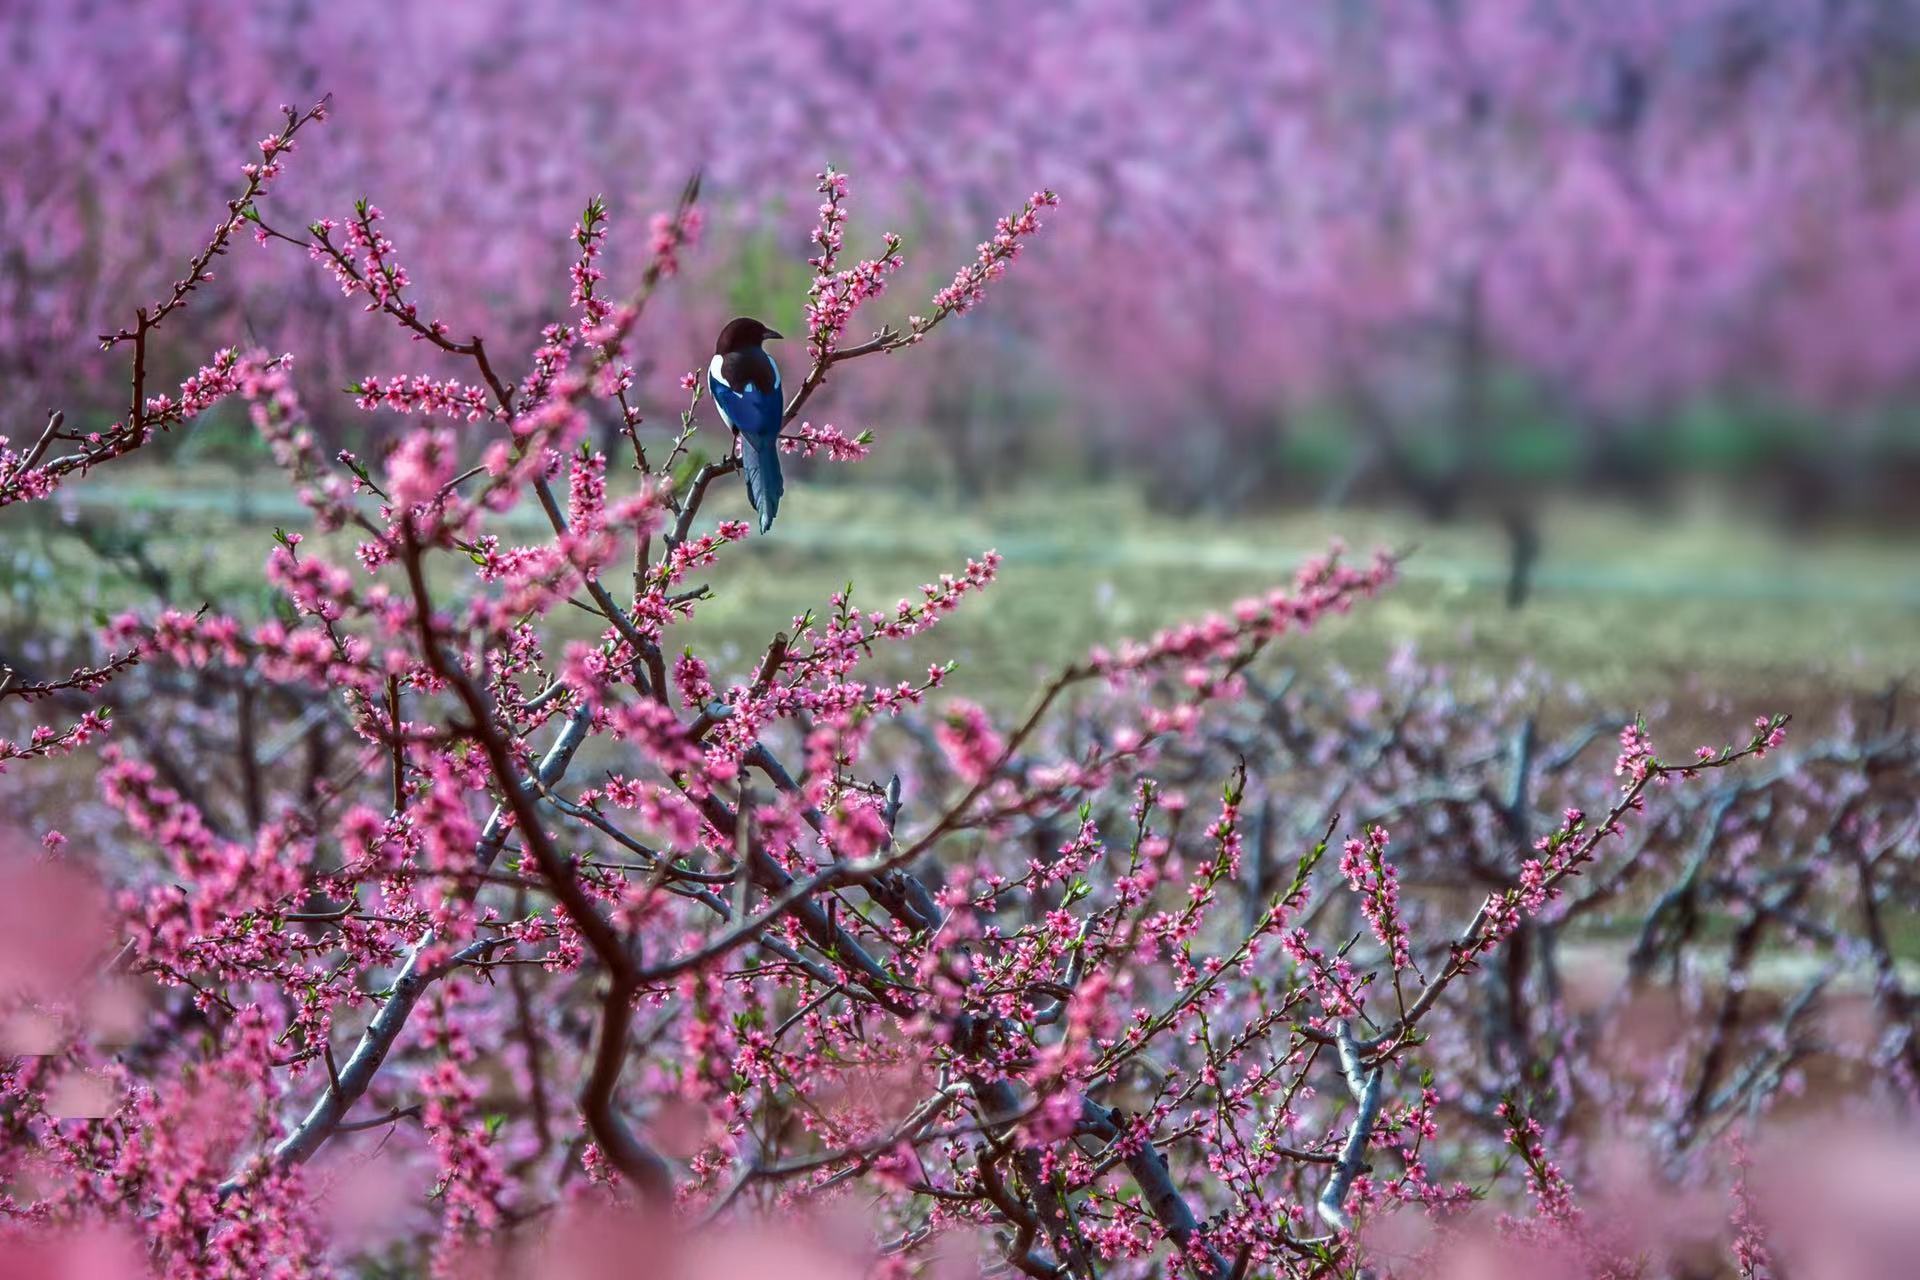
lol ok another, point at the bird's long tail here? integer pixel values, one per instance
(760, 461)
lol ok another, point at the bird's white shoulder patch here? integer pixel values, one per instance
(713, 371)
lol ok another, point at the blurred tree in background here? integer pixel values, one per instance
(1436, 250)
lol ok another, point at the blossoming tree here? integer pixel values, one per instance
(591, 945)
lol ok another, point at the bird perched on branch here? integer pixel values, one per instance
(745, 384)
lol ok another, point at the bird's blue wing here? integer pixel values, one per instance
(752, 411)
(755, 413)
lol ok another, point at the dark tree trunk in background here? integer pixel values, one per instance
(1523, 548)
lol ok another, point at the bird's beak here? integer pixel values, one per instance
(771, 334)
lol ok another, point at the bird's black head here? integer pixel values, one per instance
(741, 334)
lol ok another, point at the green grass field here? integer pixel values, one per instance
(1715, 618)
(1689, 607)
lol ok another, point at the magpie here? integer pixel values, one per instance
(746, 388)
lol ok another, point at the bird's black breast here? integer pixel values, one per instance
(749, 367)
